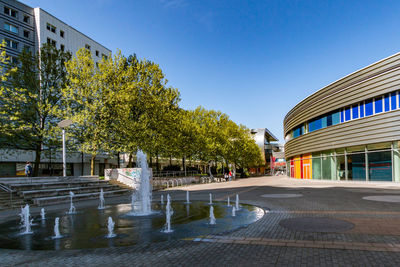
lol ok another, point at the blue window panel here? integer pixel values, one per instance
(347, 114)
(393, 100)
(298, 131)
(341, 116)
(355, 112)
(329, 120)
(378, 105)
(387, 103)
(324, 122)
(369, 108)
(362, 110)
(314, 125)
(336, 118)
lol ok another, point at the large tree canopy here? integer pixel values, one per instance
(117, 105)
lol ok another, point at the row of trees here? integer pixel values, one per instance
(119, 104)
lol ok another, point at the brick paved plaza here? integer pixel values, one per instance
(373, 240)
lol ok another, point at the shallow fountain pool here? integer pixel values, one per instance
(88, 227)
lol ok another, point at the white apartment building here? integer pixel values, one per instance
(24, 27)
(52, 30)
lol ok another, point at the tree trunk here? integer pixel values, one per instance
(118, 164)
(50, 164)
(92, 166)
(83, 164)
(157, 167)
(130, 160)
(170, 160)
(151, 162)
(38, 152)
(184, 164)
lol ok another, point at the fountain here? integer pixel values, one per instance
(168, 213)
(212, 217)
(143, 193)
(187, 198)
(101, 206)
(233, 211)
(229, 204)
(72, 207)
(88, 228)
(210, 199)
(43, 214)
(162, 199)
(110, 226)
(26, 221)
(237, 202)
(57, 229)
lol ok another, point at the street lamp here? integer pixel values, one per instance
(63, 124)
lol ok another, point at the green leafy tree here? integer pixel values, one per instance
(92, 96)
(31, 100)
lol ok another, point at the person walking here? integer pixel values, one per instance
(28, 169)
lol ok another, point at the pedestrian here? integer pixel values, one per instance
(230, 176)
(28, 169)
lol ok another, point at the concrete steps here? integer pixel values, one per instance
(54, 185)
(55, 190)
(8, 200)
(65, 191)
(64, 199)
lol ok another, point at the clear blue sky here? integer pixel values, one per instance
(253, 60)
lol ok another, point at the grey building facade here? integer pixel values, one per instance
(18, 28)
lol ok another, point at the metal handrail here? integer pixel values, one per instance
(162, 174)
(9, 190)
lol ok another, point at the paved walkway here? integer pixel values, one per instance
(280, 238)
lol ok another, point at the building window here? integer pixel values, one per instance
(104, 56)
(26, 34)
(10, 12)
(26, 19)
(298, 131)
(11, 44)
(51, 27)
(87, 47)
(62, 34)
(51, 42)
(14, 60)
(335, 118)
(27, 48)
(387, 103)
(10, 28)
(369, 110)
(62, 47)
(97, 53)
(347, 116)
(362, 110)
(393, 100)
(378, 105)
(341, 116)
(354, 110)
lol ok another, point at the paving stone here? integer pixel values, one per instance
(374, 240)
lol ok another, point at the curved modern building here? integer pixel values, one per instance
(350, 129)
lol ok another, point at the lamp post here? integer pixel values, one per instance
(63, 124)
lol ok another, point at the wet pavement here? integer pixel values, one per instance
(335, 227)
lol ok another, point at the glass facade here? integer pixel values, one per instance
(375, 162)
(379, 104)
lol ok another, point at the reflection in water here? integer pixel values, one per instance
(26, 242)
(88, 228)
(57, 244)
